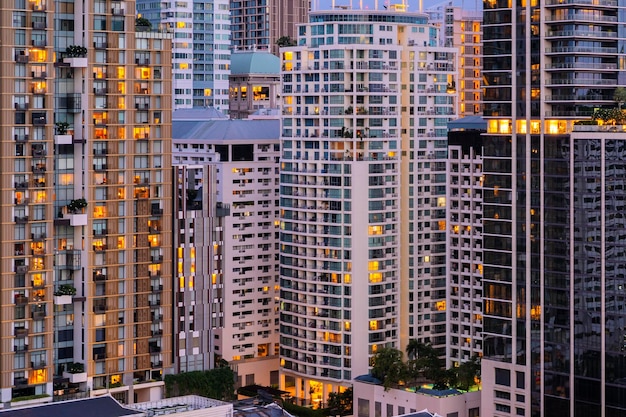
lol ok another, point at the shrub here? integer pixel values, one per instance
(76, 51)
(76, 205)
(75, 368)
(66, 289)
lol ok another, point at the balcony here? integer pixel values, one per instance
(21, 269)
(21, 137)
(100, 308)
(99, 167)
(99, 277)
(21, 299)
(157, 318)
(75, 378)
(38, 25)
(62, 139)
(21, 58)
(20, 381)
(38, 236)
(38, 315)
(62, 299)
(40, 167)
(100, 45)
(21, 219)
(156, 211)
(77, 219)
(21, 106)
(38, 43)
(156, 289)
(21, 332)
(156, 258)
(38, 365)
(76, 62)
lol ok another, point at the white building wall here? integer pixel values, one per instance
(370, 397)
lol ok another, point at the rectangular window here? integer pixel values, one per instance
(363, 407)
(503, 377)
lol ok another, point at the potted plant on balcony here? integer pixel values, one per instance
(61, 135)
(142, 24)
(75, 372)
(76, 56)
(64, 294)
(77, 205)
(76, 51)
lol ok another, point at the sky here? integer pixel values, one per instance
(413, 5)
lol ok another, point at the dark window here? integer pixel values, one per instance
(520, 380)
(65, 353)
(503, 377)
(363, 409)
(66, 335)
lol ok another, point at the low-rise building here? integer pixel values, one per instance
(372, 399)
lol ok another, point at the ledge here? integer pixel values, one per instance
(76, 62)
(75, 378)
(77, 219)
(63, 139)
(62, 299)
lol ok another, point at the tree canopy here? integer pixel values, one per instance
(218, 383)
(423, 364)
(340, 403)
(285, 41)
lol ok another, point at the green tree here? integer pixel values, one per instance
(620, 96)
(218, 383)
(467, 372)
(143, 22)
(285, 41)
(387, 366)
(610, 116)
(340, 403)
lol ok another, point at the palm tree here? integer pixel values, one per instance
(412, 349)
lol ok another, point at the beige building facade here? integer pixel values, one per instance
(86, 202)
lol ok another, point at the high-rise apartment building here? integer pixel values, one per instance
(241, 272)
(464, 243)
(260, 23)
(86, 126)
(462, 29)
(201, 48)
(363, 178)
(198, 259)
(553, 250)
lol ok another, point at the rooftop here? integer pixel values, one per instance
(204, 113)
(177, 405)
(254, 62)
(229, 129)
(104, 406)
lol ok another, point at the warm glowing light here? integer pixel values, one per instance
(375, 230)
(375, 277)
(440, 305)
(373, 266)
